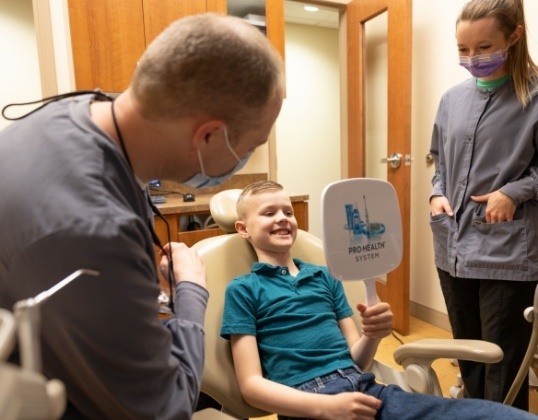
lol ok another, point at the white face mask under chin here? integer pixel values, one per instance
(201, 180)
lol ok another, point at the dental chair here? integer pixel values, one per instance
(228, 256)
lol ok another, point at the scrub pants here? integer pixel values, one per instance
(491, 310)
(401, 405)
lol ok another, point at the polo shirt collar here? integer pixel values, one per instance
(305, 270)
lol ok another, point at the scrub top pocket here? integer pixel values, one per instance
(440, 225)
(493, 245)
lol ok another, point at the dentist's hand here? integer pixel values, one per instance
(188, 266)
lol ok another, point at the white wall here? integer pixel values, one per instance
(308, 128)
(19, 74)
(435, 69)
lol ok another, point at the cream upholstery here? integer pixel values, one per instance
(223, 211)
(230, 255)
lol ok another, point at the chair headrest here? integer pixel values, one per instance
(223, 209)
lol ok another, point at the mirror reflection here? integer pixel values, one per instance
(253, 11)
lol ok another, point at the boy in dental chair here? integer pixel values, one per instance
(296, 349)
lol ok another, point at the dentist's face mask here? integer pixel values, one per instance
(201, 180)
(484, 65)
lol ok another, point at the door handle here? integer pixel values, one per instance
(394, 160)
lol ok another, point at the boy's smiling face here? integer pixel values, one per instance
(270, 224)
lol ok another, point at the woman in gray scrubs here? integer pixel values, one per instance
(484, 208)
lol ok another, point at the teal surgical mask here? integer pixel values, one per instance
(201, 180)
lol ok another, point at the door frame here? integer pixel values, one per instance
(399, 43)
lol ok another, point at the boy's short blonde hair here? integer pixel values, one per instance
(253, 189)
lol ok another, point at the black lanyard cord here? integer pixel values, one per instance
(171, 277)
(156, 240)
(51, 99)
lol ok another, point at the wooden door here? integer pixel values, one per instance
(274, 15)
(107, 38)
(158, 14)
(399, 41)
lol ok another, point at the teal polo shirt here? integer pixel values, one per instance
(294, 319)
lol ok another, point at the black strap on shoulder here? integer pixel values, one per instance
(48, 100)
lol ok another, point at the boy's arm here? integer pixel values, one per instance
(376, 324)
(277, 398)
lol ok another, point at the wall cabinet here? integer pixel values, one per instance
(109, 36)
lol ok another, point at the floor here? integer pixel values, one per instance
(446, 371)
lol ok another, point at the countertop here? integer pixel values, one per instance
(175, 204)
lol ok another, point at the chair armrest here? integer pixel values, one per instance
(431, 349)
(211, 414)
(416, 358)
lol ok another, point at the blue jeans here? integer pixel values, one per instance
(401, 405)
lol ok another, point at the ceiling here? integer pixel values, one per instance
(293, 10)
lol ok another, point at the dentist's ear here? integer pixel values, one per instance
(202, 134)
(241, 229)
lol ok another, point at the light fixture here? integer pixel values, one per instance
(309, 8)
